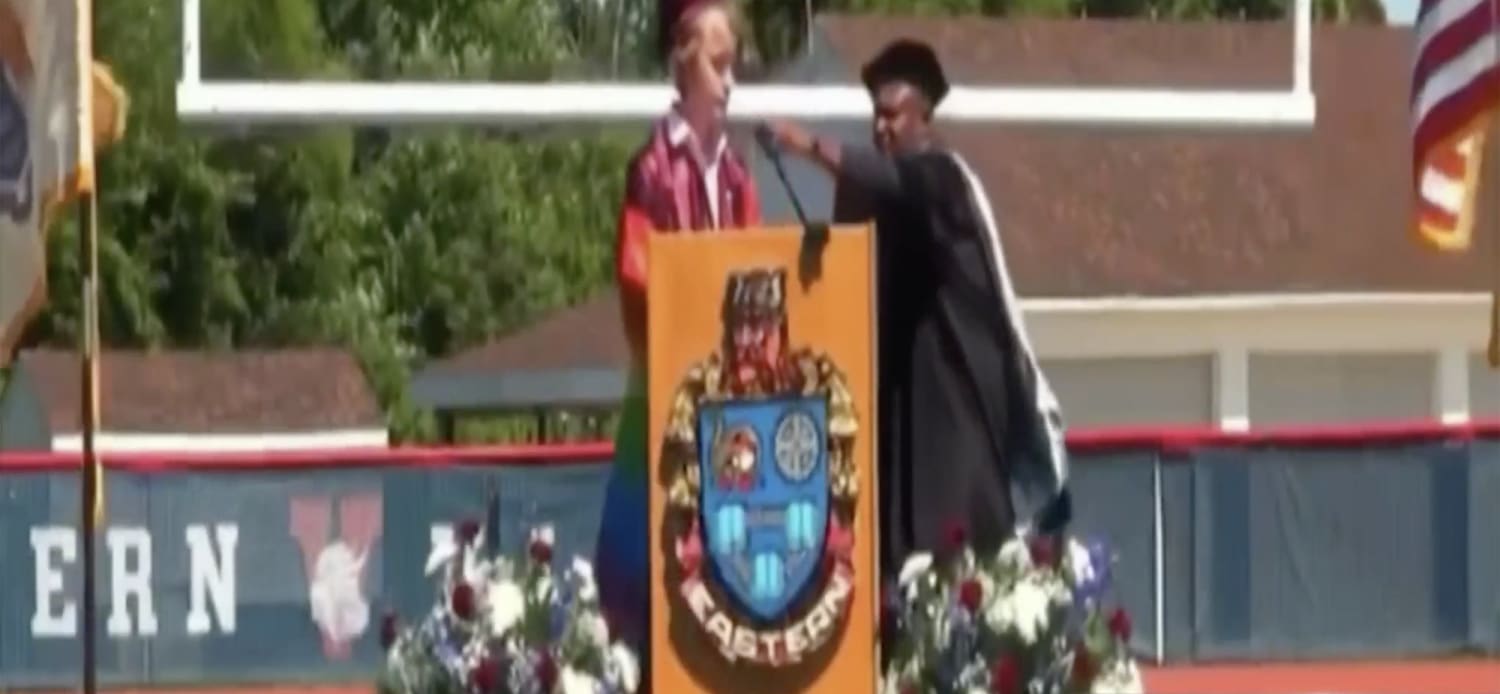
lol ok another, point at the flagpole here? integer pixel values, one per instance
(1494, 347)
(88, 505)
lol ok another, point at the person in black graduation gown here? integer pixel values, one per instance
(970, 432)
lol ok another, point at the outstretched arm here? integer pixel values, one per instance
(859, 166)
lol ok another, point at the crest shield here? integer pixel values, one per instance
(765, 497)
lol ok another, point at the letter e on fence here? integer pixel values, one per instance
(55, 615)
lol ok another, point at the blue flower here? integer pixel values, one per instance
(1094, 582)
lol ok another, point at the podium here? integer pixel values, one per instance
(763, 487)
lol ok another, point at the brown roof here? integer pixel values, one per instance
(1155, 212)
(589, 334)
(210, 392)
(1089, 212)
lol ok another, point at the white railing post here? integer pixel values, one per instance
(1302, 47)
(1158, 552)
(192, 32)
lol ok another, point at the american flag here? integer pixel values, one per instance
(1455, 90)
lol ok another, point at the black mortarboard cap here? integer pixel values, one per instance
(910, 61)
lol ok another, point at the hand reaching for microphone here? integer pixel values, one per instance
(789, 137)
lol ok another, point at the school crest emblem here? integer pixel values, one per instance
(759, 443)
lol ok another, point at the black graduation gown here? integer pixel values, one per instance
(969, 430)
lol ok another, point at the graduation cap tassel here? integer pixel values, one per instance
(814, 234)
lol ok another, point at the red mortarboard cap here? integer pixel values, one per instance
(671, 12)
(910, 61)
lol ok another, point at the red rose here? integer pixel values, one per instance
(467, 531)
(1005, 676)
(1119, 624)
(389, 628)
(540, 551)
(1043, 550)
(462, 601)
(970, 595)
(485, 676)
(546, 671)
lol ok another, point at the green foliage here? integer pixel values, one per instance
(778, 26)
(400, 246)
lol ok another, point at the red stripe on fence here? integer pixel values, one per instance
(1124, 439)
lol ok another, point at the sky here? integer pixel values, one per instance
(1400, 11)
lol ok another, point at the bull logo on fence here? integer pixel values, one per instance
(336, 559)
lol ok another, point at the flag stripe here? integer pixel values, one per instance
(1448, 161)
(1450, 118)
(1469, 67)
(1443, 191)
(1437, 44)
(1437, 215)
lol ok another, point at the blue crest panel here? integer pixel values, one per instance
(764, 482)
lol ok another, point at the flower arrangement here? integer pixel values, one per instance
(505, 626)
(1029, 620)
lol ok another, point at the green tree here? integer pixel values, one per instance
(778, 27)
(399, 246)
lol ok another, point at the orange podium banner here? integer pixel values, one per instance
(762, 402)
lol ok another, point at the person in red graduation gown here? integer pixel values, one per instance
(685, 179)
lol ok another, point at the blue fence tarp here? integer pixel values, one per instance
(1265, 553)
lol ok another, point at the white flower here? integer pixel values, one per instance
(543, 534)
(577, 682)
(442, 553)
(915, 567)
(1022, 612)
(1119, 676)
(621, 668)
(597, 630)
(1079, 561)
(583, 580)
(1015, 556)
(500, 569)
(1058, 592)
(506, 604)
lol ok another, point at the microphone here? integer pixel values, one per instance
(814, 234)
(767, 142)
